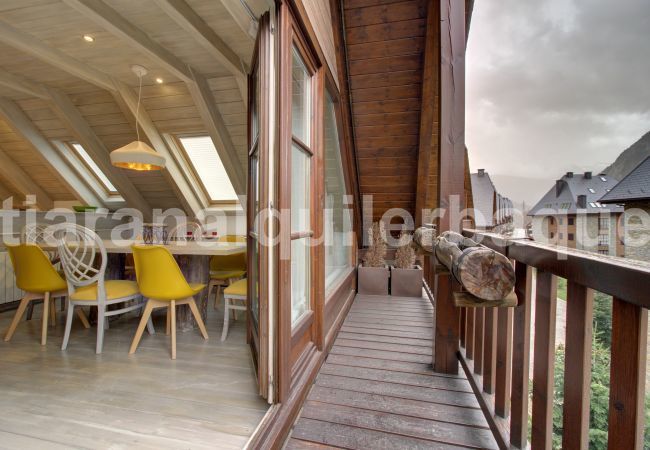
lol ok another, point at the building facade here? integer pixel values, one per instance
(491, 209)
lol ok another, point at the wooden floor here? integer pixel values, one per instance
(76, 399)
(377, 389)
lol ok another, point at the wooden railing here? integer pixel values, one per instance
(494, 345)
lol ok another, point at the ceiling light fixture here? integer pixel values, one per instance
(88, 38)
(137, 155)
(159, 80)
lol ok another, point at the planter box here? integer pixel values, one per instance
(373, 280)
(406, 282)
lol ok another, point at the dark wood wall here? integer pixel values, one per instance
(385, 47)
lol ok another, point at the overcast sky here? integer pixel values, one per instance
(556, 85)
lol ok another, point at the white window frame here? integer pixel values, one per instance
(93, 170)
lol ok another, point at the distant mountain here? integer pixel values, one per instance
(630, 158)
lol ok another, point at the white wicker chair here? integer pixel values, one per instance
(84, 260)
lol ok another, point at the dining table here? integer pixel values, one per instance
(193, 258)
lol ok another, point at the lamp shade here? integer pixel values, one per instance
(137, 156)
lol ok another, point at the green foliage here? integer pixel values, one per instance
(561, 288)
(603, 319)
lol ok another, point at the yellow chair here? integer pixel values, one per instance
(163, 284)
(36, 275)
(236, 291)
(225, 269)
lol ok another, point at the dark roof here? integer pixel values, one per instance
(571, 186)
(635, 185)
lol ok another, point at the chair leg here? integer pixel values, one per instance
(226, 318)
(172, 308)
(143, 322)
(197, 317)
(46, 314)
(101, 323)
(62, 304)
(53, 313)
(82, 316)
(169, 322)
(30, 311)
(24, 303)
(68, 325)
(150, 328)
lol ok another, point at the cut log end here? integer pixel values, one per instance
(485, 273)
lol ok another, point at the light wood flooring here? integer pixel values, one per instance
(377, 389)
(207, 398)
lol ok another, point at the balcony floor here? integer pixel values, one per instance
(207, 398)
(377, 388)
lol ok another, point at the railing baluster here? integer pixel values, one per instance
(469, 333)
(503, 362)
(544, 360)
(627, 375)
(463, 317)
(478, 340)
(577, 366)
(489, 353)
(521, 356)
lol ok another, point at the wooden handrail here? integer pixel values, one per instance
(495, 351)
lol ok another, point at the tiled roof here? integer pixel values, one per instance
(566, 200)
(635, 186)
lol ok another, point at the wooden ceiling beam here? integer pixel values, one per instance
(68, 112)
(22, 125)
(242, 17)
(18, 84)
(22, 182)
(112, 21)
(174, 175)
(207, 107)
(181, 13)
(5, 193)
(32, 46)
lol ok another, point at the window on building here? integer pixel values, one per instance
(552, 221)
(603, 252)
(571, 237)
(603, 223)
(561, 236)
(592, 190)
(552, 235)
(94, 168)
(208, 168)
(560, 221)
(603, 240)
(572, 221)
(338, 218)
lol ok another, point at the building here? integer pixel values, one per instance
(257, 110)
(571, 215)
(633, 192)
(491, 209)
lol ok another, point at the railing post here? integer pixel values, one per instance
(521, 356)
(489, 353)
(469, 333)
(478, 340)
(446, 327)
(544, 360)
(463, 318)
(503, 362)
(627, 375)
(577, 366)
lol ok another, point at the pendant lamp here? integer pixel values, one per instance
(137, 155)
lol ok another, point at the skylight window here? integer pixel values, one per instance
(209, 169)
(592, 190)
(593, 205)
(603, 179)
(94, 168)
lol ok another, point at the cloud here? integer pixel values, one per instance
(556, 85)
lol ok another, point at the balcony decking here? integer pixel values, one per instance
(207, 398)
(377, 388)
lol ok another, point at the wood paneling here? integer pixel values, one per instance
(385, 45)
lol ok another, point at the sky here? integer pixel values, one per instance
(555, 85)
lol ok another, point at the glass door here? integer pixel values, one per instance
(257, 199)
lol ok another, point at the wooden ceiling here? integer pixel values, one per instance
(56, 87)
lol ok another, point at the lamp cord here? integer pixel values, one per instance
(137, 108)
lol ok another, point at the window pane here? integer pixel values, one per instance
(209, 168)
(255, 113)
(300, 279)
(338, 219)
(300, 189)
(301, 98)
(254, 275)
(255, 184)
(98, 173)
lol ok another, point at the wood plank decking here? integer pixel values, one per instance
(377, 388)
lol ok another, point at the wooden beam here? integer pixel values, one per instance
(68, 112)
(18, 84)
(102, 14)
(428, 142)
(5, 193)
(22, 182)
(181, 13)
(23, 126)
(176, 178)
(207, 107)
(32, 46)
(241, 16)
